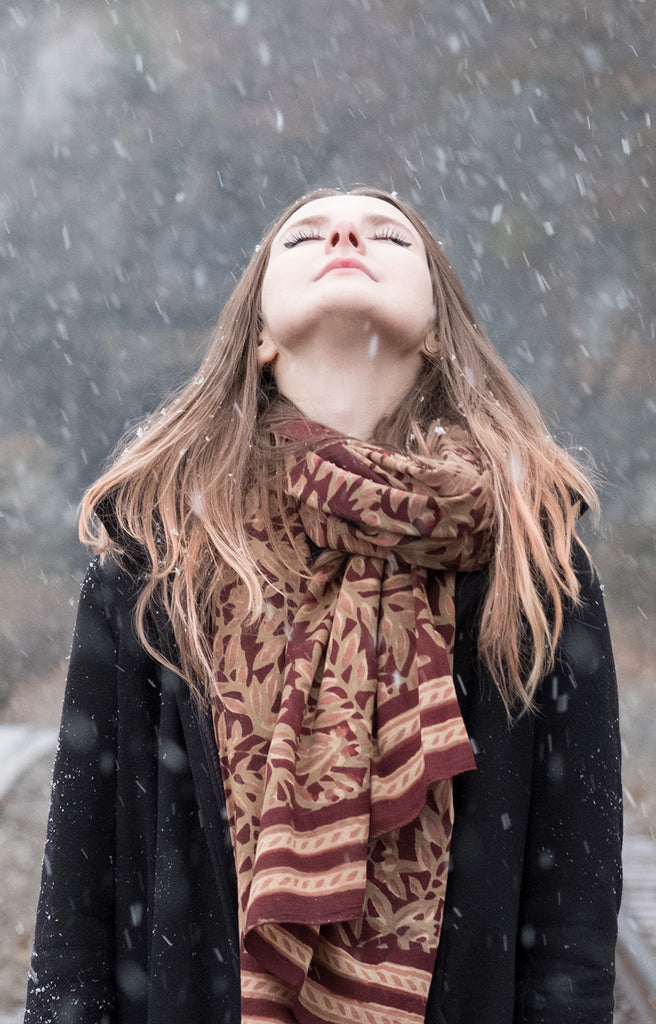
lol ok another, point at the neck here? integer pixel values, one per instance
(346, 386)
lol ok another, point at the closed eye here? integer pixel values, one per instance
(301, 235)
(393, 236)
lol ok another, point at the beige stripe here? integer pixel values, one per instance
(286, 943)
(437, 691)
(338, 1010)
(397, 783)
(281, 880)
(439, 737)
(281, 837)
(397, 977)
(431, 692)
(249, 1018)
(265, 986)
(398, 729)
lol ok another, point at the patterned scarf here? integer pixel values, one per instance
(339, 730)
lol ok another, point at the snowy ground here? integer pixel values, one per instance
(22, 829)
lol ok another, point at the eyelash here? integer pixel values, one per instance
(393, 236)
(387, 234)
(300, 236)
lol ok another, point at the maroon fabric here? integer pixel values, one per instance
(339, 730)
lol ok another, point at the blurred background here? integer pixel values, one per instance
(146, 144)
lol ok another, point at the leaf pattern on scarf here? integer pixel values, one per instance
(339, 731)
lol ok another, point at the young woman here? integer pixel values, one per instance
(339, 741)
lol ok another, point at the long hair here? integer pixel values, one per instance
(178, 483)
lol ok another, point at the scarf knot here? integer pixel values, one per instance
(339, 729)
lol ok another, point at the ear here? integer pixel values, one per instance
(431, 344)
(266, 350)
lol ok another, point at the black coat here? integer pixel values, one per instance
(137, 915)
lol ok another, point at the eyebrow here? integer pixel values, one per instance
(374, 219)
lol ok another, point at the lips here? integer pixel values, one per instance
(345, 264)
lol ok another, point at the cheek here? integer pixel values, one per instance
(271, 298)
(266, 293)
(424, 301)
(282, 309)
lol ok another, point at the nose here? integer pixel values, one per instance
(344, 234)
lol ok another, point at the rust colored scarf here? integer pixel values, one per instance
(339, 731)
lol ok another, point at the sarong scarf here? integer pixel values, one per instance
(339, 730)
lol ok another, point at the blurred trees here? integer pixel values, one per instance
(147, 144)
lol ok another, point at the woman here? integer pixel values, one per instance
(340, 733)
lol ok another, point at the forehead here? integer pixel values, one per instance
(347, 207)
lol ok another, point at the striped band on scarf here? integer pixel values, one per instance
(339, 730)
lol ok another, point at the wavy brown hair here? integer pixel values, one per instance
(177, 485)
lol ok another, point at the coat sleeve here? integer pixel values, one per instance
(572, 871)
(72, 972)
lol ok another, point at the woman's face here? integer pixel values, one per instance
(352, 261)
